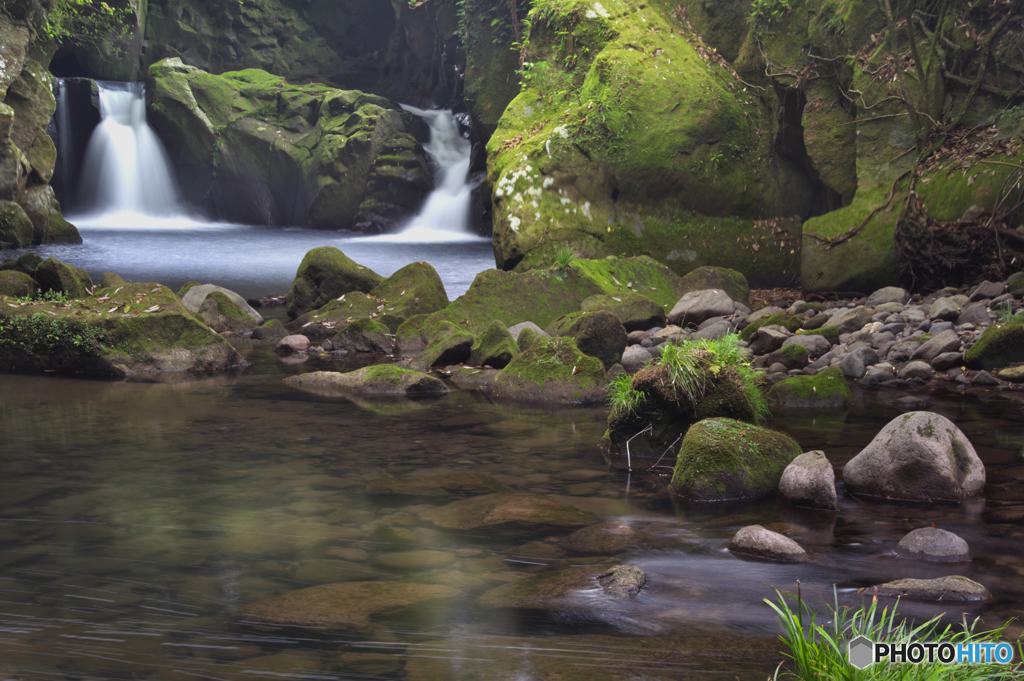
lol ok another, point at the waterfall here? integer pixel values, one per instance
(445, 215)
(126, 179)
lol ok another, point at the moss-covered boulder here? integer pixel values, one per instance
(378, 380)
(415, 289)
(253, 148)
(364, 335)
(270, 331)
(53, 275)
(597, 333)
(629, 136)
(15, 226)
(326, 273)
(825, 390)
(495, 347)
(634, 311)
(143, 328)
(16, 284)
(26, 263)
(727, 460)
(789, 356)
(221, 308)
(552, 370)
(449, 345)
(113, 280)
(43, 210)
(347, 606)
(508, 515)
(1000, 345)
(732, 282)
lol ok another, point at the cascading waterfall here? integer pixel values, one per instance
(126, 178)
(445, 215)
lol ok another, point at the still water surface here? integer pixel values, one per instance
(136, 518)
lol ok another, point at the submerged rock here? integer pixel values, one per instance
(378, 380)
(919, 456)
(347, 605)
(611, 536)
(933, 544)
(951, 589)
(561, 590)
(510, 515)
(757, 542)
(463, 484)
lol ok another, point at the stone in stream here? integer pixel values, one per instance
(222, 312)
(809, 481)
(364, 335)
(1000, 345)
(615, 535)
(597, 333)
(377, 380)
(565, 589)
(347, 606)
(933, 544)
(552, 370)
(757, 542)
(726, 460)
(461, 484)
(272, 330)
(950, 589)
(508, 515)
(919, 456)
(494, 347)
(697, 306)
(293, 343)
(826, 389)
(324, 274)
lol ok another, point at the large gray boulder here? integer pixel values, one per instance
(225, 311)
(935, 545)
(757, 542)
(919, 456)
(947, 341)
(810, 482)
(698, 306)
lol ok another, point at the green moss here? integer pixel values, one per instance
(947, 195)
(386, 373)
(1000, 345)
(788, 321)
(810, 307)
(725, 460)
(551, 370)
(188, 286)
(793, 352)
(826, 389)
(228, 307)
(831, 333)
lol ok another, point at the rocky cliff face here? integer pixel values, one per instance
(250, 147)
(29, 213)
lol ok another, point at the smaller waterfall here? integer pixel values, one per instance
(445, 215)
(126, 178)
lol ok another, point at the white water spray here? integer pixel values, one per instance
(445, 215)
(126, 178)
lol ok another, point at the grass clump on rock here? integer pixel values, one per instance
(652, 409)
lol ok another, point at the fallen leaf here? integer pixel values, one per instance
(113, 309)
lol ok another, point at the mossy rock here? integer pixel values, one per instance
(415, 289)
(448, 345)
(825, 390)
(599, 165)
(378, 380)
(221, 314)
(495, 347)
(15, 226)
(1000, 345)
(732, 282)
(410, 339)
(364, 335)
(830, 333)
(783, 319)
(26, 264)
(803, 308)
(668, 412)
(272, 330)
(325, 274)
(16, 284)
(727, 460)
(552, 370)
(188, 286)
(142, 329)
(53, 275)
(634, 311)
(597, 333)
(112, 280)
(508, 515)
(42, 208)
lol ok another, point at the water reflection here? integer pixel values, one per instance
(136, 519)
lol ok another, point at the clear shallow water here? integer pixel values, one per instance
(136, 518)
(252, 261)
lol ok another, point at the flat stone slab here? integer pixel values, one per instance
(953, 588)
(375, 381)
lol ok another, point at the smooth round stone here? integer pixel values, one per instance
(933, 544)
(424, 559)
(757, 542)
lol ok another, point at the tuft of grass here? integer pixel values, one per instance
(622, 396)
(691, 365)
(1006, 313)
(819, 652)
(564, 257)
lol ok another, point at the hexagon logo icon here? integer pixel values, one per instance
(862, 652)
